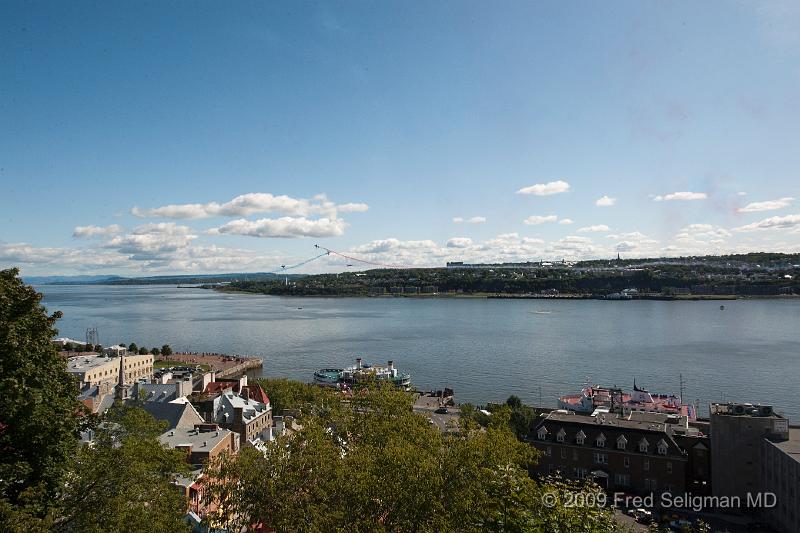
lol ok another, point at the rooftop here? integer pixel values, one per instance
(82, 363)
(791, 447)
(199, 440)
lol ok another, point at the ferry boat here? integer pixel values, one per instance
(360, 374)
(615, 400)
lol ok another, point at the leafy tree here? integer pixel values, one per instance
(88, 347)
(289, 394)
(155, 351)
(38, 407)
(98, 348)
(124, 481)
(68, 347)
(166, 350)
(369, 463)
(143, 351)
(132, 348)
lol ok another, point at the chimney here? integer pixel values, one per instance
(358, 363)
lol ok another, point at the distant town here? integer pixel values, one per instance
(707, 277)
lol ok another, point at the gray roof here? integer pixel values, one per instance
(172, 413)
(198, 440)
(157, 392)
(791, 447)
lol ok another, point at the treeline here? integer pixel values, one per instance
(707, 279)
(133, 348)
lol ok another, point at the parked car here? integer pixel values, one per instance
(441, 411)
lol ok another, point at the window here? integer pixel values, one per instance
(560, 435)
(542, 433)
(581, 473)
(626, 461)
(662, 447)
(600, 459)
(600, 442)
(580, 437)
(621, 442)
(643, 445)
(549, 451)
(669, 467)
(622, 479)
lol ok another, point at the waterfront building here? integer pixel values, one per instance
(753, 441)
(737, 432)
(640, 453)
(237, 411)
(780, 475)
(94, 369)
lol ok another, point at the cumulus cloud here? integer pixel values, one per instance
(596, 228)
(681, 196)
(353, 207)
(545, 189)
(772, 223)
(253, 203)
(459, 242)
(535, 220)
(470, 220)
(769, 205)
(167, 228)
(85, 232)
(284, 227)
(605, 201)
(565, 221)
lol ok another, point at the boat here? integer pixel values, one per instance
(615, 400)
(361, 374)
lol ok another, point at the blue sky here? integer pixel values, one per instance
(200, 137)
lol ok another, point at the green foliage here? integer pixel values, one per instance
(369, 463)
(132, 348)
(166, 350)
(289, 394)
(143, 351)
(155, 351)
(38, 422)
(124, 481)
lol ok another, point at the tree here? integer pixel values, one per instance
(143, 351)
(166, 350)
(132, 348)
(123, 482)
(68, 347)
(155, 351)
(38, 407)
(98, 348)
(88, 347)
(369, 463)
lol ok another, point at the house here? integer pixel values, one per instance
(201, 442)
(638, 453)
(176, 415)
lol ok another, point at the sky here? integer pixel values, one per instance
(202, 137)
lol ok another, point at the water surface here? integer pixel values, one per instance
(484, 349)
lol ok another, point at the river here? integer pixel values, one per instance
(484, 349)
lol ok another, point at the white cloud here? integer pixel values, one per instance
(681, 196)
(565, 221)
(284, 227)
(741, 193)
(534, 220)
(769, 205)
(459, 242)
(605, 201)
(772, 223)
(545, 189)
(595, 228)
(167, 228)
(353, 208)
(470, 220)
(253, 203)
(84, 232)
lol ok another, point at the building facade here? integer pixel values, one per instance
(638, 455)
(98, 370)
(780, 475)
